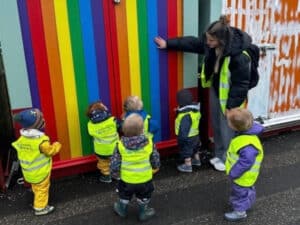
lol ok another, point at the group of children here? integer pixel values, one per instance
(126, 152)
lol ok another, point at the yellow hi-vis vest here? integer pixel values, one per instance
(146, 127)
(249, 177)
(135, 166)
(35, 165)
(105, 136)
(195, 116)
(224, 83)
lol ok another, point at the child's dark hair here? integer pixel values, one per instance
(220, 29)
(184, 97)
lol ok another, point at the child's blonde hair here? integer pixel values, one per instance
(133, 103)
(133, 125)
(240, 119)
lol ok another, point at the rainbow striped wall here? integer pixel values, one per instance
(79, 51)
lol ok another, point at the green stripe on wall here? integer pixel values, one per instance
(80, 76)
(144, 61)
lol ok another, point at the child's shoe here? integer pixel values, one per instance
(196, 162)
(105, 178)
(235, 215)
(120, 207)
(217, 163)
(145, 213)
(48, 209)
(185, 168)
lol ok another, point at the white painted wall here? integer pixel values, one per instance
(190, 28)
(13, 55)
(284, 34)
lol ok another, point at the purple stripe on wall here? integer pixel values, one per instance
(101, 57)
(27, 43)
(163, 70)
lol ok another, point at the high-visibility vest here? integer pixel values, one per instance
(105, 136)
(135, 166)
(249, 177)
(146, 127)
(35, 165)
(224, 83)
(195, 116)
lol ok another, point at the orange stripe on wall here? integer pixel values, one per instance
(179, 54)
(56, 77)
(121, 24)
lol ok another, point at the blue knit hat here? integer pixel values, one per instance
(30, 119)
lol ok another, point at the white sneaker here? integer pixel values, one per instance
(217, 163)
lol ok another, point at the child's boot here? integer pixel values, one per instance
(105, 178)
(145, 213)
(235, 215)
(120, 207)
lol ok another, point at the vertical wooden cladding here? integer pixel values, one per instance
(81, 51)
(275, 22)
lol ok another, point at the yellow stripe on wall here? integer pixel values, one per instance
(64, 42)
(133, 47)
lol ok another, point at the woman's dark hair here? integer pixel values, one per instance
(220, 29)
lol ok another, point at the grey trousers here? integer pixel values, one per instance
(221, 131)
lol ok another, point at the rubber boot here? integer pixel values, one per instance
(145, 213)
(120, 207)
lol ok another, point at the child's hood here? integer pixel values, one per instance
(187, 108)
(141, 112)
(255, 129)
(135, 142)
(31, 133)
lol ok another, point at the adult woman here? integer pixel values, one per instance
(225, 70)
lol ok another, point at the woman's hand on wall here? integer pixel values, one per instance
(160, 42)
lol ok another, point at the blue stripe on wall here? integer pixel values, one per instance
(154, 64)
(89, 49)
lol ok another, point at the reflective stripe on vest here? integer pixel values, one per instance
(35, 165)
(135, 165)
(249, 177)
(195, 117)
(105, 136)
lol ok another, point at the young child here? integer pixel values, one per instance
(134, 161)
(187, 131)
(133, 104)
(244, 158)
(102, 126)
(35, 155)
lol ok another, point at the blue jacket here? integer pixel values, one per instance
(247, 154)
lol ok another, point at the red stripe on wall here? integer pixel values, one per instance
(112, 56)
(172, 66)
(42, 68)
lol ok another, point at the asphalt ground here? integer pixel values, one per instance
(179, 199)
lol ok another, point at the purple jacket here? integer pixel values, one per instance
(247, 154)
